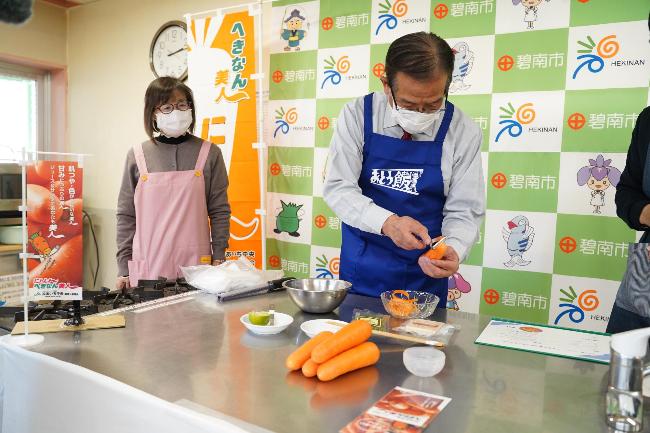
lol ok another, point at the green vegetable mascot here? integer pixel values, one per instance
(287, 220)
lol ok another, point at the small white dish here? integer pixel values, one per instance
(281, 322)
(315, 327)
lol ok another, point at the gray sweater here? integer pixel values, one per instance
(174, 157)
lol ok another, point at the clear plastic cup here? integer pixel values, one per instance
(424, 361)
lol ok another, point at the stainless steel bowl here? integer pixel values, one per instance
(317, 295)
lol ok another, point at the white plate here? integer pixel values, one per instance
(282, 322)
(314, 327)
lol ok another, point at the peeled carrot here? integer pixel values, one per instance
(438, 252)
(360, 380)
(351, 335)
(358, 357)
(309, 368)
(296, 360)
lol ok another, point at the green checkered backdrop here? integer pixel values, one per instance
(556, 91)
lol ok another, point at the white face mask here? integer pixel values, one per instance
(414, 122)
(174, 124)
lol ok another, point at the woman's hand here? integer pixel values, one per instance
(123, 283)
(217, 262)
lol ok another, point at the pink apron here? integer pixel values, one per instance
(171, 221)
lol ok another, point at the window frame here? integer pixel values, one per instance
(43, 80)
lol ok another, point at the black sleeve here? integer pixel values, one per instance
(630, 198)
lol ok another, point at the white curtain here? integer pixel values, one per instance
(44, 394)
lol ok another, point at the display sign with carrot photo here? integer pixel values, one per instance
(400, 411)
(54, 229)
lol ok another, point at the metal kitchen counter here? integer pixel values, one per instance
(197, 351)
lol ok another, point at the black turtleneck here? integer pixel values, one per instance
(173, 140)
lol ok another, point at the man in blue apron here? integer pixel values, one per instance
(405, 167)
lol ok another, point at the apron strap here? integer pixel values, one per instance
(139, 159)
(367, 117)
(203, 155)
(446, 121)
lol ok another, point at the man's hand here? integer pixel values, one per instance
(645, 216)
(442, 268)
(406, 232)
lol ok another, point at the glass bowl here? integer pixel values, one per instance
(409, 304)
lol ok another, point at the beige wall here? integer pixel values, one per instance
(104, 46)
(108, 72)
(42, 38)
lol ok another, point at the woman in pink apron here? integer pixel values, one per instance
(173, 206)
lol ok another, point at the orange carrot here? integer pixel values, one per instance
(401, 306)
(309, 368)
(358, 357)
(356, 381)
(437, 252)
(296, 360)
(351, 335)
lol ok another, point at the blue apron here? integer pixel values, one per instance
(404, 177)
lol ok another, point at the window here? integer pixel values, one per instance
(24, 119)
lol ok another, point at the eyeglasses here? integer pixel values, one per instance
(427, 110)
(180, 106)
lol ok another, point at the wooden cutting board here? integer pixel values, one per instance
(92, 322)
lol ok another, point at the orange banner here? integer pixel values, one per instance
(221, 61)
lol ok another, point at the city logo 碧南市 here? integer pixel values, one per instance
(284, 119)
(327, 268)
(606, 48)
(513, 119)
(334, 70)
(389, 13)
(574, 306)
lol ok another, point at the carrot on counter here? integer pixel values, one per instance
(296, 360)
(309, 368)
(358, 357)
(351, 335)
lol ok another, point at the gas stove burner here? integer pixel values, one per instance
(94, 302)
(53, 310)
(108, 301)
(147, 288)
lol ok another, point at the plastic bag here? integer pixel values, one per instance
(378, 321)
(428, 329)
(230, 275)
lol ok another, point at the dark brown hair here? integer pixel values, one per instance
(420, 55)
(157, 94)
